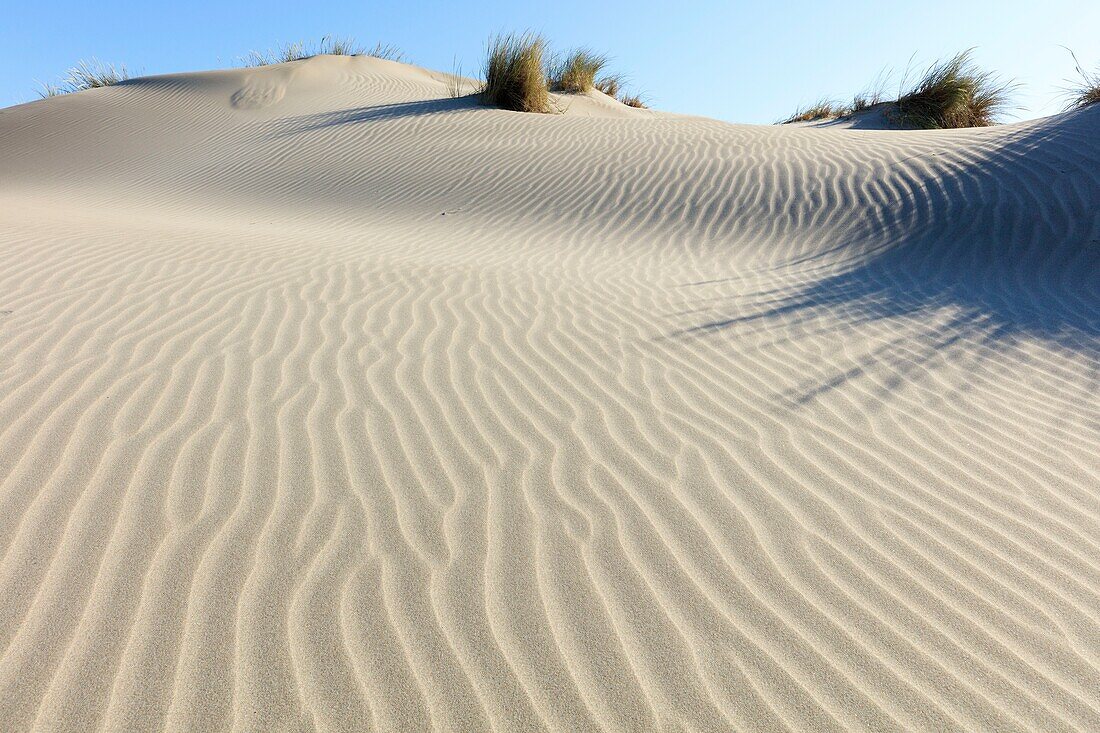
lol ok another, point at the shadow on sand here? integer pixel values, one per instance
(356, 115)
(996, 249)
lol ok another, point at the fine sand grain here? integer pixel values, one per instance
(329, 402)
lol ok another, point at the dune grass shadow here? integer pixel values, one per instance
(1000, 249)
(379, 112)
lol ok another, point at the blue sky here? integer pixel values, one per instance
(742, 62)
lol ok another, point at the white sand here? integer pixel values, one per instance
(329, 402)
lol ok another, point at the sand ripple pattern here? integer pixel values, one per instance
(330, 403)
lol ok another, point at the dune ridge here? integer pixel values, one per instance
(328, 402)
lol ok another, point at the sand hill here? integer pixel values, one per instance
(329, 402)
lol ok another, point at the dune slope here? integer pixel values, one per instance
(328, 402)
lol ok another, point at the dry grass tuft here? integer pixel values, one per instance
(874, 94)
(610, 84)
(93, 74)
(950, 94)
(614, 86)
(329, 45)
(386, 52)
(340, 47)
(51, 90)
(284, 54)
(824, 109)
(955, 93)
(457, 84)
(827, 109)
(577, 72)
(86, 75)
(514, 75)
(1086, 91)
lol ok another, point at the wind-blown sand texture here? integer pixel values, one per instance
(330, 402)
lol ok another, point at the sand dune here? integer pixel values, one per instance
(328, 402)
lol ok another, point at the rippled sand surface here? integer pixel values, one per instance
(329, 402)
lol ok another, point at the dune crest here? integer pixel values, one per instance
(329, 402)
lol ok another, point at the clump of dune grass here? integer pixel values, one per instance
(328, 45)
(610, 84)
(93, 74)
(49, 89)
(514, 76)
(457, 84)
(828, 109)
(1086, 91)
(340, 47)
(454, 80)
(90, 74)
(955, 93)
(577, 71)
(385, 51)
(949, 94)
(823, 109)
(862, 101)
(283, 54)
(613, 85)
(873, 95)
